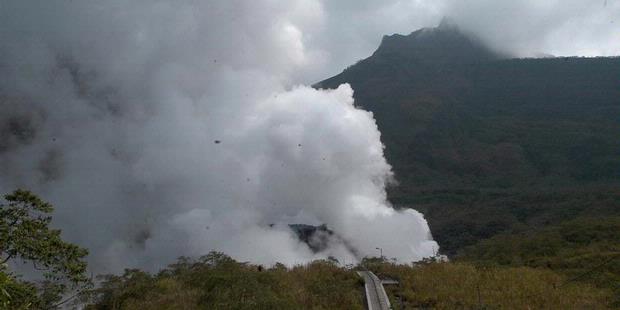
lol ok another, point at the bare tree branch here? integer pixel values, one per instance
(6, 259)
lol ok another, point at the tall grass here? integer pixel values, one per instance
(465, 286)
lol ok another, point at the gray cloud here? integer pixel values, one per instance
(525, 28)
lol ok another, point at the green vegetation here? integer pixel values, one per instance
(25, 236)
(570, 264)
(489, 123)
(570, 232)
(491, 146)
(216, 281)
(460, 218)
(586, 250)
(464, 286)
(514, 162)
(494, 124)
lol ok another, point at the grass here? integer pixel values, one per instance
(585, 248)
(465, 286)
(218, 282)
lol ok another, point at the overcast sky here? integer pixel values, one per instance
(167, 128)
(325, 36)
(353, 29)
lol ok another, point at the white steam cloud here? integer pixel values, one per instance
(169, 128)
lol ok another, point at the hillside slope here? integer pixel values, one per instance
(483, 144)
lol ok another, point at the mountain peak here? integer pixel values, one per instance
(447, 23)
(444, 44)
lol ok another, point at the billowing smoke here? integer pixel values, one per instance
(168, 128)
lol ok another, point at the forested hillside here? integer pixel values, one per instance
(454, 115)
(512, 161)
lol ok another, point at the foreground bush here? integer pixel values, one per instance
(218, 282)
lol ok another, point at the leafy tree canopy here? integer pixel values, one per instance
(25, 236)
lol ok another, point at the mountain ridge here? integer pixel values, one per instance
(487, 144)
(413, 98)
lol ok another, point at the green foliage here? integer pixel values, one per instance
(464, 286)
(25, 236)
(584, 249)
(488, 147)
(216, 281)
(459, 218)
(492, 123)
(15, 294)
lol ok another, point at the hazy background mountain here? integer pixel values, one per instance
(484, 144)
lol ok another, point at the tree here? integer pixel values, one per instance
(25, 236)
